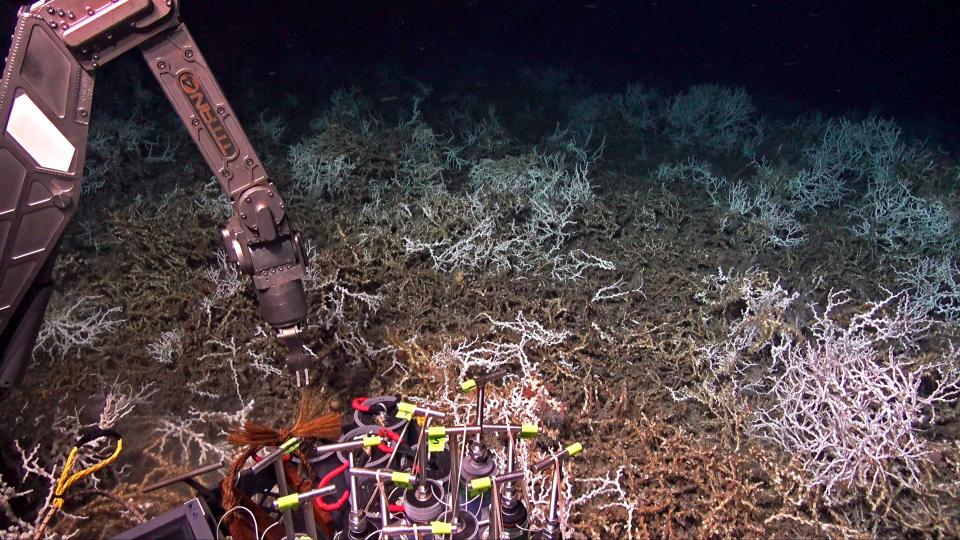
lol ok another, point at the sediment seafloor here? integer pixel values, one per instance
(747, 314)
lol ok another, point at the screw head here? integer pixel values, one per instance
(221, 111)
(248, 162)
(84, 113)
(90, 11)
(188, 53)
(195, 122)
(161, 65)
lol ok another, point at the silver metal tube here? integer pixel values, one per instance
(354, 486)
(380, 475)
(480, 402)
(487, 428)
(554, 495)
(384, 506)
(284, 491)
(454, 483)
(404, 530)
(341, 446)
(496, 517)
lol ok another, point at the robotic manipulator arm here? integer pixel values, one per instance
(45, 98)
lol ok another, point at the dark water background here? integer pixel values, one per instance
(896, 58)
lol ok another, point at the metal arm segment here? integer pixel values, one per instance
(259, 237)
(45, 98)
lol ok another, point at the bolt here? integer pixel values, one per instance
(248, 162)
(60, 13)
(161, 65)
(54, 25)
(195, 122)
(64, 26)
(90, 11)
(71, 15)
(226, 173)
(188, 53)
(50, 10)
(221, 111)
(61, 201)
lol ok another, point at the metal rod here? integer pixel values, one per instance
(486, 428)
(384, 506)
(282, 488)
(354, 486)
(554, 495)
(496, 517)
(454, 483)
(393, 454)
(422, 454)
(181, 477)
(480, 401)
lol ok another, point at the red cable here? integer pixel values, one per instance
(390, 434)
(334, 506)
(395, 508)
(333, 474)
(358, 405)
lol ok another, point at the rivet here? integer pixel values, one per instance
(61, 13)
(243, 216)
(64, 26)
(248, 199)
(269, 194)
(71, 15)
(50, 10)
(90, 11)
(54, 25)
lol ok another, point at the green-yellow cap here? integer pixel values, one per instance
(574, 449)
(405, 410)
(288, 502)
(372, 440)
(529, 431)
(290, 444)
(440, 527)
(436, 444)
(479, 485)
(400, 478)
(468, 385)
(435, 432)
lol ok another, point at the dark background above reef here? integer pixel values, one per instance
(894, 58)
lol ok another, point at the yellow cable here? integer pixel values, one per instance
(65, 482)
